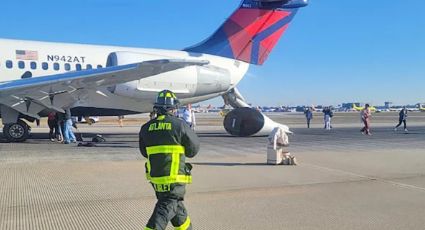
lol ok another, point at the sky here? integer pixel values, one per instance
(334, 51)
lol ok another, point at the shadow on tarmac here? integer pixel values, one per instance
(229, 164)
(211, 134)
(87, 137)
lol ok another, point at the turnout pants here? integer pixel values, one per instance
(170, 208)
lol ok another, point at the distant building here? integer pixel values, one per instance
(388, 104)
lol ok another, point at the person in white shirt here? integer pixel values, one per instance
(193, 119)
(189, 116)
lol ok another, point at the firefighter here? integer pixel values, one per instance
(166, 141)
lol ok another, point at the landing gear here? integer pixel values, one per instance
(16, 132)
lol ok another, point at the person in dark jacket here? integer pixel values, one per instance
(327, 117)
(166, 141)
(402, 117)
(60, 118)
(68, 134)
(53, 126)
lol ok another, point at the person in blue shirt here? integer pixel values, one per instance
(308, 115)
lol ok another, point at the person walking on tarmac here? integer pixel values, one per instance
(166, 141)
(402, 117)
(366, 115)
(309, 115)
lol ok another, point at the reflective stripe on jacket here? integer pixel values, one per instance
(172, 160)
(166, 142)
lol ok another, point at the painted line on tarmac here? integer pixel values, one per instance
(402, 185)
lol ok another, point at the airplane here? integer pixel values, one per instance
(360, 108)
(90, 80)
(421, 108)
(202, 108)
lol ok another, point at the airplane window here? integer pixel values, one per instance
(89, 66)
(99, 66)
(9, 64)
(67, 67)
(33, 65)
(56, 66)
(45, 66)
(21, 64)
(78, 67)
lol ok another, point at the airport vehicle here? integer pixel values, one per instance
(88, 120)
(360, 108)
(38, 77)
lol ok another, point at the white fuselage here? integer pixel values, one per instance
(20, 59)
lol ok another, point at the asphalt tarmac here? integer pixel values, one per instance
(345, 180)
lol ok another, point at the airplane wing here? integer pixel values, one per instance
(31, 96)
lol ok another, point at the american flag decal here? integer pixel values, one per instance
(26, 55)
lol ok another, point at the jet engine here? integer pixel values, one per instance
(128, 89)
(193, 81)
(245, 121)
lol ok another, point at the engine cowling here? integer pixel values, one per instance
(128, 89)
(244, 122)
(193, 81)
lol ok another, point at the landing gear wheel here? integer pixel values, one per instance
(16, 132)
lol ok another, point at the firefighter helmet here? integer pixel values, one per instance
(166, 100)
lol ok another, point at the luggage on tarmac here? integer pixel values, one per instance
(278, 140)
(98, 138)
(79, 137)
